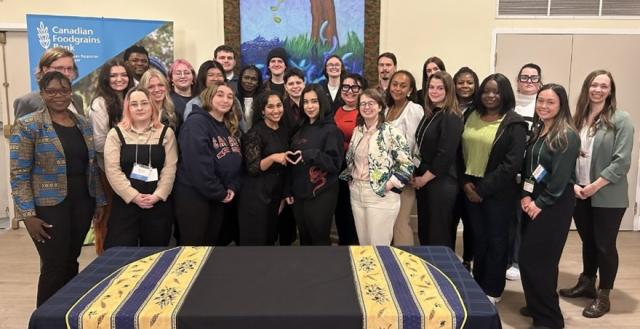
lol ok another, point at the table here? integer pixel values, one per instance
(234, 306)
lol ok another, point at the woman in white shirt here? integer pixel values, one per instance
(405, 115)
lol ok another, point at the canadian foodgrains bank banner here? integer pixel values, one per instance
(96, 40)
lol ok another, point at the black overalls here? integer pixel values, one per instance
(130, 225)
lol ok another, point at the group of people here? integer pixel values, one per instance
(214, 158)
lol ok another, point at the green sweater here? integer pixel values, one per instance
(611, 160)
(560, 166)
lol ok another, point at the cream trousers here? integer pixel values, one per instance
(374, 215)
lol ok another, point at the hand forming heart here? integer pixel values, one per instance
(294, 157)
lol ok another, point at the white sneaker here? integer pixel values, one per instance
(513, 274)
(494, 300)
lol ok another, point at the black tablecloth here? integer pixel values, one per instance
(480, 312)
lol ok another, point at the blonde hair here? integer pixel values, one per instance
(230, 118)
(126, 121)
(167, 103)
(51, 55)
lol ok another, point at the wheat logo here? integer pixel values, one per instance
(43, 36)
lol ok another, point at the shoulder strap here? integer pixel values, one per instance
(120, 135)
(164, 130)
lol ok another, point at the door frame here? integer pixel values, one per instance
(564, 31)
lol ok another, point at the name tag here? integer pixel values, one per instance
(153, 175)
(528, 185)
(141, 172)
(539, 173)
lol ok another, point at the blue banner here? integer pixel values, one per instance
(93, 40)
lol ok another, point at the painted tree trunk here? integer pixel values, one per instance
(321, 11)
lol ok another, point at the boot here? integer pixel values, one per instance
(600, 306)
(586, 287)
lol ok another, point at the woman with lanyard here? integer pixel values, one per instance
(548, 201)
(602, 189)
(140, 160)
(404, 114)
(345, 118)
(437, 140)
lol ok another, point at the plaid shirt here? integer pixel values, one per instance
(38, 166)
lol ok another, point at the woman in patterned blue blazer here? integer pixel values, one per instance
(54, 182)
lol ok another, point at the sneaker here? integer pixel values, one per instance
(494, 300)
(513, 274)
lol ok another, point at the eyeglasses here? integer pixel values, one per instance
(55, 91)
(533, 78)
(353, 88)
(367, 104)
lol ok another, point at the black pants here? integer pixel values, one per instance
(540, 253)
(460, 213)
(313, 217)
(436, 202)
(132, 226)
(200, 220)
(598, 229)
(347, 235)
(287, 233)
(257, 219)
(516, 231)
(229, 230)
(490, 220)
(71, 220)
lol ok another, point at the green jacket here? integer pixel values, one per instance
(611, 160)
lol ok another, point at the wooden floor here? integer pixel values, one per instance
(19, 272)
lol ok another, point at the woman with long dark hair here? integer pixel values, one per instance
(114, 81)
(547, 202)
(265, 185)
(316, 155)
(601, 189)
(431, 65)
